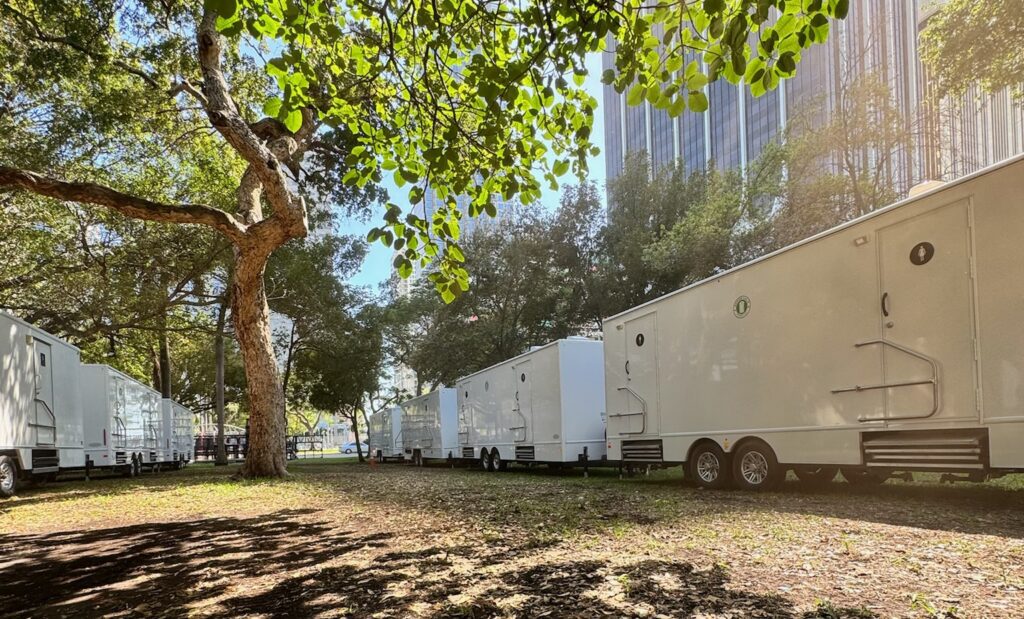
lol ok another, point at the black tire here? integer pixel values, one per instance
(497, 463)
(860, 476)
(815, 476)
(8, 476)
(485, 460)
(348, 451)
(755, 467)
(137, 466)
(709, 466)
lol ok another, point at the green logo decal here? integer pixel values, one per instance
(741, 307)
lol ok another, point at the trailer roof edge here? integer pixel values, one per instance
(824, 233)
(528, 352)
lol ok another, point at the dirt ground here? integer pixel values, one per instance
(342, 539)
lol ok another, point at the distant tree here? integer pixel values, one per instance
(724, 219)
(968, 42)
(342, 368)
(642, 207)
(846, 167)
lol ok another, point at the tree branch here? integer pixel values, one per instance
(132, 206)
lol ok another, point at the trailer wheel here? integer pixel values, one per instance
(709, 466)
(8, 476)
(755, 467)
(485, 460)
(863, 476)
(136, 465)
(497, 464)
(815, 476)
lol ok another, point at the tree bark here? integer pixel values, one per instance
(218, 397)
(355, 433)
(165, 362)
(251, 316)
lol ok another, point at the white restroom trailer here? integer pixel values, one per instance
(123, 421)
(184, 433)
(893, 343)
(430, 426)
(177, 432)
(40, 413)
(544, 406)
(385, 434)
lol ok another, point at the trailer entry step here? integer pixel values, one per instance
(927, 449)
(642, 451)
(524, 452)
(467, 452)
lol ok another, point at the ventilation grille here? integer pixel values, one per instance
(121, 458)
(938, 450)
(45, 459)
(524, 452)
(467, 452)
(642, 451)
(152, 456)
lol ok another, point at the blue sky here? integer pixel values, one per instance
(377, 266)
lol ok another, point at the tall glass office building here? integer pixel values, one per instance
(879, 37)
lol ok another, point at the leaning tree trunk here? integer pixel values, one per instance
(251, 315)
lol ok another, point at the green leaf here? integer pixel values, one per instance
(223, 8)
(293, 121)
(561, 167)
(636, 94)
(272, 107)
(697, 101)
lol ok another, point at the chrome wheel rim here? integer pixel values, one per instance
(754, 468)
(6, 476)
(485, 461)
(707, 467)
(496, 461)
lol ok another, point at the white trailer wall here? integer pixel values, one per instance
(183, 432)
(545, 405)
(430, 425)
(386, 433)
(123, 417)
(177, 432)
(40, 413)
(777, 348)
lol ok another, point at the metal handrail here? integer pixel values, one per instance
(124, 436)
(933, 381)
(49, 411)
(519, 411)
(642, 413)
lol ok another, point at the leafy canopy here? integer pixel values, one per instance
(968, 42)
(485, 97)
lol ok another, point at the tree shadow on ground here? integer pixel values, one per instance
(288, 564)
(960, 508)
(421, 583)
(159, 569)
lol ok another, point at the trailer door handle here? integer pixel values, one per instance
(885, 304)
(627, 367)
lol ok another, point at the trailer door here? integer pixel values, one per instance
(45, 419)
(927, 316)
(522, 429)
(639, 396)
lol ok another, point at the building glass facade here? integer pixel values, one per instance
(878, 37)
